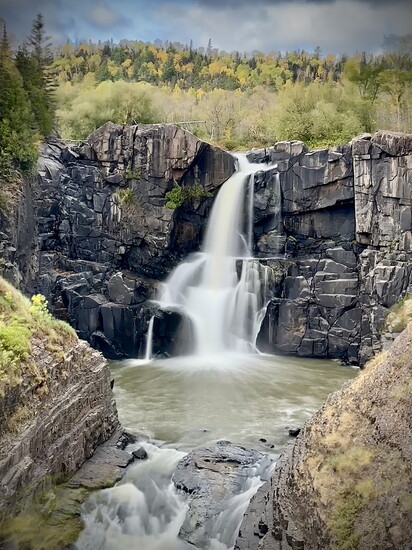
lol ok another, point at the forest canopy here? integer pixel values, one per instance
(240, 100)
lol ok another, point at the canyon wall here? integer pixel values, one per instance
(95, 236)
(100, 237)
(346, 216)
(56, 403)
(345, 482)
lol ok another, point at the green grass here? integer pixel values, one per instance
(399, 315)
(23, 321)
(52, 520)
(126, 196)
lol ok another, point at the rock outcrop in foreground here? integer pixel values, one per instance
(56, 403)
(347, 481)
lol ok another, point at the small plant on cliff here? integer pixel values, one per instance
(126, 196)
(132, 174)
(177, 196)
(23, 322)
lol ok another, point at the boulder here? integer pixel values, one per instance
(212, 478)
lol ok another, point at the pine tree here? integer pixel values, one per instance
(40, 43)
(33, 66)
(17, 138)
(4, 44)
(209, 48)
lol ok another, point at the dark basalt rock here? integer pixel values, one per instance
(211, 477)
(105, 237)
(93, 234)
(140, 454)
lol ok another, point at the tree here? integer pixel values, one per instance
(365, 75)
(40, 43)
(38, 83)
(395, 83)
(17, 138)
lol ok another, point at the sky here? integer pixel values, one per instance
(336, 26)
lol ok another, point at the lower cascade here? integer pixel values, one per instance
(223, 290)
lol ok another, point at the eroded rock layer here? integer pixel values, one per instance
(53, 421)
(346, 482)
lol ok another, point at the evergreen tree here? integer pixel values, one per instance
(33, 66)
(17, 138)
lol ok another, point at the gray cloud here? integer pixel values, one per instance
(223, 4)
(335, 25)
(101, 16)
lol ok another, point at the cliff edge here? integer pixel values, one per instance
(346, 483)
(56, 404)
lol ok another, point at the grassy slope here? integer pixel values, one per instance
(25, 325)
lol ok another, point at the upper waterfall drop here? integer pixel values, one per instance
(222, 289)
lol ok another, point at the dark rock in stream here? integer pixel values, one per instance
(140, 454)
(212, 477)
(106, 466)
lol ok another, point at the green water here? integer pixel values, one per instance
(192, 401)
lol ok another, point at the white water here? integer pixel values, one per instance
(149, 340)
(225, 309)
(145, 511)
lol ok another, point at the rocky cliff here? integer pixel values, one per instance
(346, 227)
(100, 236)
(346, 482)
(56, 404)
(95, 236)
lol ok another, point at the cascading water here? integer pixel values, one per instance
(149, 340)
(223, 290)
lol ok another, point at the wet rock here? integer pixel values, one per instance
(124, 439)
(294, 432)
(211, 477)
(140, 454)
(107, 465)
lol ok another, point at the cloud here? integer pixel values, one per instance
(335, 25)
(223, 4)
(101, 16)
(338, 26)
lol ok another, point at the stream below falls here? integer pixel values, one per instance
(181, 403)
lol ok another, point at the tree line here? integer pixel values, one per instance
(242, 99)
(26, 99)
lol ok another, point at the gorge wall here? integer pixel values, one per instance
(346, 215)
(56, 403)
(95, 236)
(346, 481)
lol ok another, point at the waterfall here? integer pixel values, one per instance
(223, 289)
(149, 340)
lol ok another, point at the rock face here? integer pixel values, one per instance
(213, 478)
(346, 482)
(99, 237)
(346, 227)
(51, 430)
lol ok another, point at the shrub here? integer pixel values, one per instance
(177, 196)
